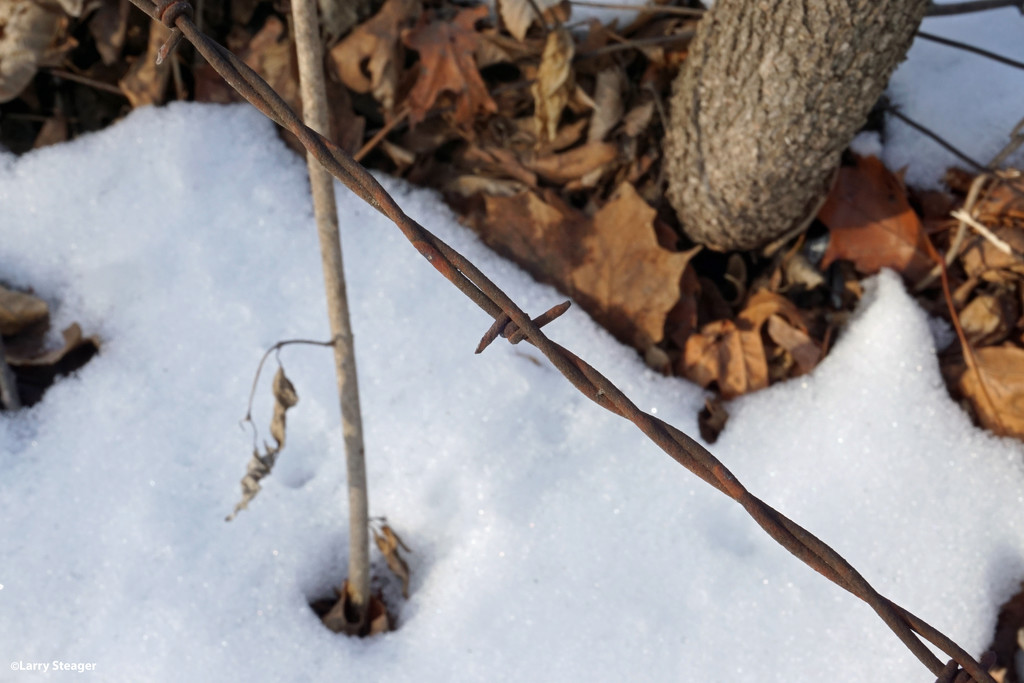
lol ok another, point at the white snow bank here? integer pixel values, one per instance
(971, 101)
(552, 541)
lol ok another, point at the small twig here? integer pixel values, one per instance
(642, 9)
(85, 80)
(683, 38)
(958, 239)
(540, 16)
(935, 136)
(965, 346)
(1016, 140)
(952, 8)
(368, 146)
(9, 398)
(972, 49)
(970, 220)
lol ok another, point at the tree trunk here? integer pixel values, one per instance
(769, 96)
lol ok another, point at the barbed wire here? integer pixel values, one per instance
(512, 323)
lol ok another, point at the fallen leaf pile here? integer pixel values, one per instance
(546, 138)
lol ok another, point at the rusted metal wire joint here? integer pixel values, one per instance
(511, 322)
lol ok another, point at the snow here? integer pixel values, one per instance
(971, 101)
(551, 540)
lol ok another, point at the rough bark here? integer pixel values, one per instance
(770, 94)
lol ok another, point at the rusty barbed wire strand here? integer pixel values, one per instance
(513, 323)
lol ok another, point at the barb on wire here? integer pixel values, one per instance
(515, 324)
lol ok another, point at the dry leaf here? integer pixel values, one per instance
(519, 15)
(447, 64)
(872, 224)
(1003, 204)
(388, 543)
(636, 119)
(469, 185)
(987, 320)
(19, 311)
(53, 131)
(711, 419)
(337, 619)
(627, 281)
(804, 351)
(607, 103)
(732, 353)
(27, 30)
(495, 161)
(545, 237)
(73, 341)
(999, 405)
(260, 465)
(981, 257)
(369, 59)
(726, 354)
(37, 368)
(146, 82)
(574, 164)
(554, 84)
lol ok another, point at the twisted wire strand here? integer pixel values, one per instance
(517, 325)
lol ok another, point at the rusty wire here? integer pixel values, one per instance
(515, 325)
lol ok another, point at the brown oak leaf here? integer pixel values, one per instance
(448, 65)
(631, 282)
(871, 222)
(368, 60)
(728, 353)
(995, 387)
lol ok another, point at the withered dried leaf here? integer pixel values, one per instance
(711, 419)
(388, 543)
(636, 119)
(724, 353)
(285, 397)
(732, 353)
(804, 351)
(469, 185)
(544, 235)
(447, 64)
(630, 281)
(872, 224)
(338, 618)
(607, 103)
(986, 319)
(73, 340)
(260, 465)
(554, 83)
(981, 257)
(27, 29)
(575, 163)
(996, 389)
(369, 59)
(19, 311)
(519, 15)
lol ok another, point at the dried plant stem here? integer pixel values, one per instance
(9, 398)
(314, 105)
